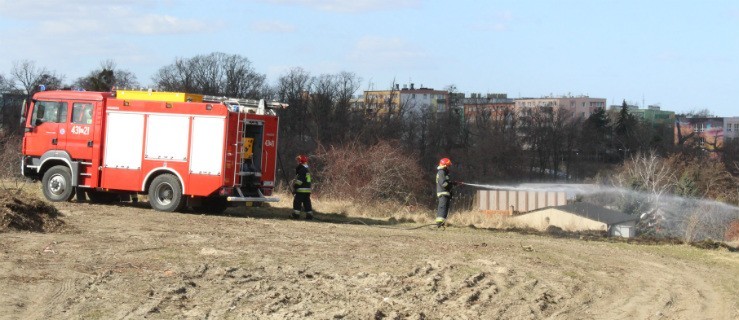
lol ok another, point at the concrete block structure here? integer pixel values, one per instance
(580, 216)
(513, 201)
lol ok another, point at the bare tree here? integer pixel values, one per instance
(496, 150)
(106, 78)
(294, 88)
(649, 173)
(32, 77)
(175, 77)
(6, 84)
(217, 74)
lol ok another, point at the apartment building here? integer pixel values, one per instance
(580, 106)
(708, 131)
(409, 98)
(652, 114)
(731, 128)
(493, 105)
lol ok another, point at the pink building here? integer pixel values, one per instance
(581, 106)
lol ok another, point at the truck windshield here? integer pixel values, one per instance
(49, 111)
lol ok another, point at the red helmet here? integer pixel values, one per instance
(302, 159)
(445, 162)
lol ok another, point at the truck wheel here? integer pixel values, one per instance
(57, 184)
(165, 193)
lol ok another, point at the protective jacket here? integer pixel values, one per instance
(443, 182)
(302, 179)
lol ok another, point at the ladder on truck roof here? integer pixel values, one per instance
(247, 105)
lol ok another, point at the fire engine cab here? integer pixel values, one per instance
(180, 149)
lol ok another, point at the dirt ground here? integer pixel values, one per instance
(130, 262)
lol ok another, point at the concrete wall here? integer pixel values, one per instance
(518, 201)
(623, 229)
(554, 217)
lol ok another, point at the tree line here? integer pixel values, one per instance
(501, 145)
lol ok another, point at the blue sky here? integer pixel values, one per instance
(682, 55)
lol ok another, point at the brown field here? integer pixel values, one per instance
(130, 262)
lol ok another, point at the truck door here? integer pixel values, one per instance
(80, 130)
(45, 129)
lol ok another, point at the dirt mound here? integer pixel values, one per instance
(24, 212)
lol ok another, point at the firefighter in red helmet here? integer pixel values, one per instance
(443, 191)
(302, 189)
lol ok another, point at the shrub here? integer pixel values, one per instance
(732, 233)
(370, 173)
(10, 157)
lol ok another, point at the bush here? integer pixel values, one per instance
(732, 232)
(10, 157)
(378, 172)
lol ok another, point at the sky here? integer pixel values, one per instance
(681, 55)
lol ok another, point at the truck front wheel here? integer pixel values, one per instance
(57, 184)
(165, 193)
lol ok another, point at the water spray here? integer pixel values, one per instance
(557, 187)
(676, 215)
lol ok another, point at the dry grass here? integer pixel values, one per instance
(480, 219)
(393, 211)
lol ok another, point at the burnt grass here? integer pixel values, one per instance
(556, 232)
(23, 212)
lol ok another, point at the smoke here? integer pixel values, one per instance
(690, 219)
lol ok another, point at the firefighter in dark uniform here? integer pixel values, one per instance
(301, 189)
(443, 191)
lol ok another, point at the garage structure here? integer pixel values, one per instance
(581, 216)
(509, 202)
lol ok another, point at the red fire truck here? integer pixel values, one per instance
(180, 149)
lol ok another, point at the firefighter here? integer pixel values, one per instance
(301, 189)
(443, 191)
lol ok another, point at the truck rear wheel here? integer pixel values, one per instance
(165, 193)
(57, 184)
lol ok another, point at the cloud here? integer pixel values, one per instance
(91, 17)
(498, 22)
(272, 27)
(351, 6)
(164, 24)
(58, 8)
(381, 52)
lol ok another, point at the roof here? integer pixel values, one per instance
(595, 212)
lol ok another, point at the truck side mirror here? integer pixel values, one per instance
(24, 110)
